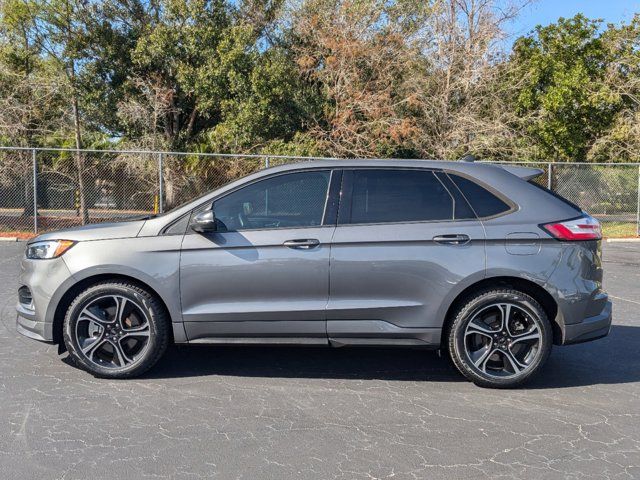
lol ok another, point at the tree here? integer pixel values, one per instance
(31, 93)
(205, 77)
(357, 55)
(463, 95)
(565, 93)
(408, 78)
(266, 99)
(177, 43)
(60, 29)
(621, 141)
(365, 78)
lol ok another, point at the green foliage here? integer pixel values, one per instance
(268, 103)
(400, 78)
(564, 97)
(301, 145)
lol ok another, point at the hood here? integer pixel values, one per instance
(98, 231)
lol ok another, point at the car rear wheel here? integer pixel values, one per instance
(116, 330)
(500, 338)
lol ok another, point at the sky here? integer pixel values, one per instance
(544, 12)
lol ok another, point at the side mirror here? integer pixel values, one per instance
(204, 222)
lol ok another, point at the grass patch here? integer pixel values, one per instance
(619, 229)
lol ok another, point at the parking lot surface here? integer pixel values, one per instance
(275, 413)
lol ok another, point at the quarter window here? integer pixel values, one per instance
(483, 202)
(284, 201)
(382, 196)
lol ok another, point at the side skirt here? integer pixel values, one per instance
(259, 341)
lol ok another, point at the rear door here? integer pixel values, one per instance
(405, 239)
(265, 273)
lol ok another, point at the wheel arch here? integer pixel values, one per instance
(74, 290)
(529, 287)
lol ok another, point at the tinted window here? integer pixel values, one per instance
(461, 208)
(483, 201)
(178, 227)
(284, 201)
(398, 196)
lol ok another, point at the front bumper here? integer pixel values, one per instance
(27, 325)
(591, 328)
(44, 279)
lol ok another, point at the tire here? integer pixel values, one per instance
(493, 356)
(116, 314)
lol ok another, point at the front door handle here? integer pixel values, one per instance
(302, 243)
(455, 239)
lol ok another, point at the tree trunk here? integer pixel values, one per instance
(84, 210)
(28, 185)
(27, 159)
(169, 188)
(28, 196)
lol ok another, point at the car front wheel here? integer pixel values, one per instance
(500, 338)
(116, 330)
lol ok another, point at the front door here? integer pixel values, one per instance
(264, 274)
(405, 238)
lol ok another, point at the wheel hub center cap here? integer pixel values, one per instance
(502, 340)
(113, 332)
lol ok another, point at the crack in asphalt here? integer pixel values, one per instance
(274, 413)
(624, 299)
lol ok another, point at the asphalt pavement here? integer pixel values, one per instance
(320, 413)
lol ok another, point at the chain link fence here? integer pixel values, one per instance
(49, 189)
(608, 191)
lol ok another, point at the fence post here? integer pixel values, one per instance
(160, 184)
(35, 191)
(638, 206)
(549, 175)
(266, 162)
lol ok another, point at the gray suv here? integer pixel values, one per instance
(470, 258)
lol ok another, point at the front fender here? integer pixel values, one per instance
(154, 262)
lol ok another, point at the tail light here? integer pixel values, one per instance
(583, 228)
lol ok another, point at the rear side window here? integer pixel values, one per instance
(485, 203)
(384, 196)
(461, 209)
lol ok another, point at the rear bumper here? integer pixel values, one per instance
(591, 328)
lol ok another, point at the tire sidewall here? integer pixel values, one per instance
(467, 313)
(91, 294)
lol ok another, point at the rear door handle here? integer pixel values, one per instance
(302, 243)
(455, 239)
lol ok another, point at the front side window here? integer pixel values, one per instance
(381, 196)
(284, 201)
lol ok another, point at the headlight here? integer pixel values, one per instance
(48, 249)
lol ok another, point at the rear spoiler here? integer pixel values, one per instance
(525, 173)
